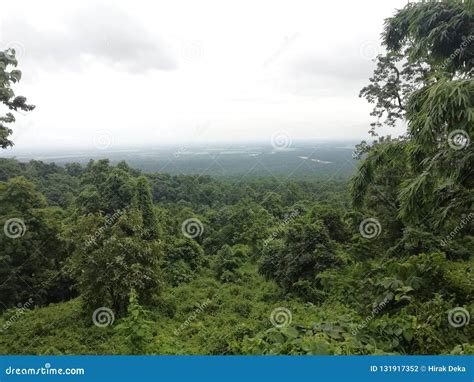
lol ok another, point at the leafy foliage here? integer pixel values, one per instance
(136, 328)
(7, 96)
(109, 236)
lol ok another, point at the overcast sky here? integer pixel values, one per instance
(159, 72)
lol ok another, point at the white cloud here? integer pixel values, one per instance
(150, 72)
(97, 33)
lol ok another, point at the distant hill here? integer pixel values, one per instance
(327, 160)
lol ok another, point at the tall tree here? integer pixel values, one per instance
(144, 202)
(31, 251)
(8, 77)
(433, 161)
(111, 257)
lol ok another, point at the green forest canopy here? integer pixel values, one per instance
(106, 259)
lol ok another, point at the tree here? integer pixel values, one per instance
(144, 203)
(184, 257)
(136, 327)
(304, 251)
(273, 203)
(435, 33)
(424, 40)
(89, 200)
(74, 169)
(7, 96)
(31, 251)
(10, 168)
(332, 220)
(432, 163)
(390, 86)
(245, 222)
(227, 263)
(112, 256)
(119, 190)
(96, 173)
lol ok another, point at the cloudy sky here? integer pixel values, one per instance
(158, 72)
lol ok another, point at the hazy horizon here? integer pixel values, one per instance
(281, 157)
(153, 74)
(110, 146)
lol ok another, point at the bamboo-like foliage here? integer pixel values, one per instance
(435, 153)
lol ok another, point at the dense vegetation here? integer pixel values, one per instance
(105, 259)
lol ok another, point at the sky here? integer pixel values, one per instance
(190, 72)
